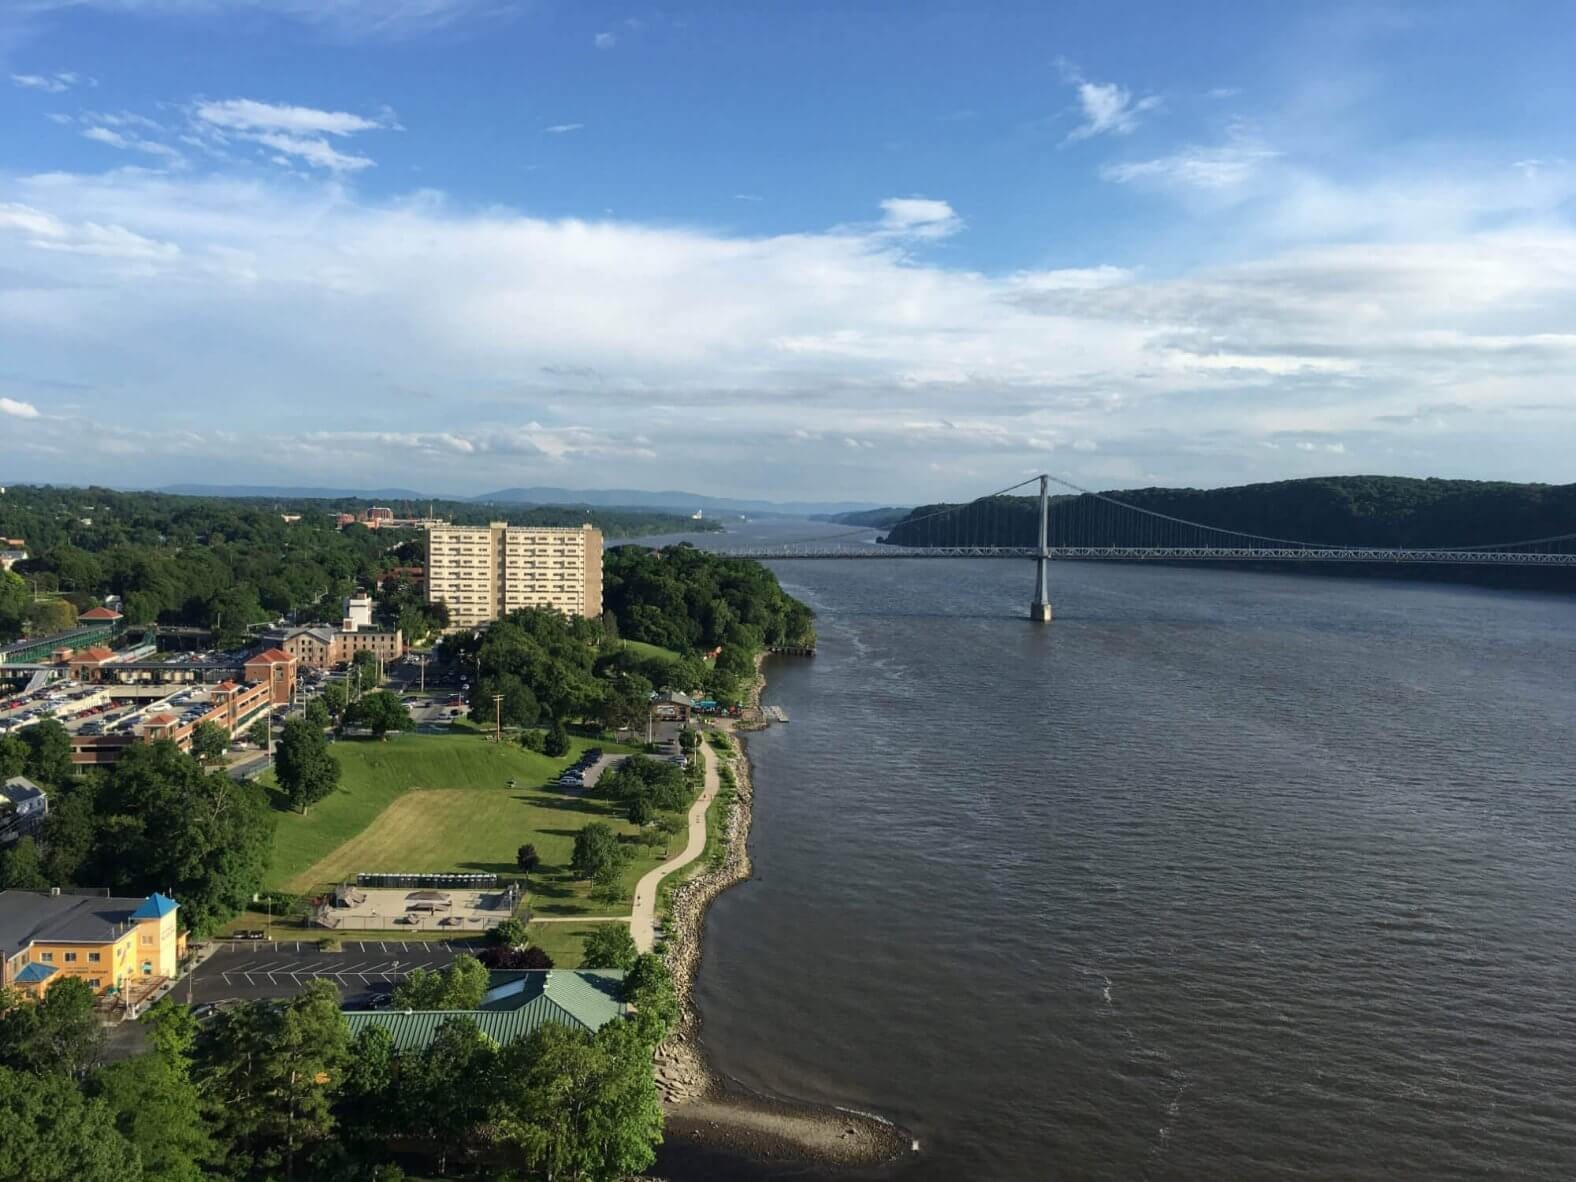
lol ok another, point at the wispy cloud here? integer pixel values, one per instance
(297, 134)
(133, 143)
(1107, 108)
(49, 83)
(747, 197)
(604, 40)
(563, 128)
(388, 20)
(1197, 166)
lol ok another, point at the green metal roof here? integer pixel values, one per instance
(516, 1006)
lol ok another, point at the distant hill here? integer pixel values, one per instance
(634, 498)
(878, 518)
(294, 493)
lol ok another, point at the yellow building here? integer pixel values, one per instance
(111, 943)
(486, 571)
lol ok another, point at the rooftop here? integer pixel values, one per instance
(270, 656)
(19, 788)
(26, 916)
(583, 999)
(100, 613)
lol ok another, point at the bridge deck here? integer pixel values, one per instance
(1163, 554)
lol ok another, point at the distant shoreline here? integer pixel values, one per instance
(706, 1113)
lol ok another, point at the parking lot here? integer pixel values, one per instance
(281, 968)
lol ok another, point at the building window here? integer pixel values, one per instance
(94, 958)
(95, 982)
(71, 958)
(47, 957)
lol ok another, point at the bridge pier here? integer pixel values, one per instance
(1040, 605)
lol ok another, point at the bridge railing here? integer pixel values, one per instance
(1164, 554)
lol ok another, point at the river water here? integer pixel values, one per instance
(1219, 875)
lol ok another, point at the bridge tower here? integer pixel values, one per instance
(1040, 608)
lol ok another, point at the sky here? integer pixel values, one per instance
(883, 251)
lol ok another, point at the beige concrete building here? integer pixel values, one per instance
(483, 572)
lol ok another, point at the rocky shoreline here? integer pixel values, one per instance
(703, 1108)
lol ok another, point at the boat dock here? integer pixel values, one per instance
(776, 714)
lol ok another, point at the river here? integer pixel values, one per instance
(1219, 875)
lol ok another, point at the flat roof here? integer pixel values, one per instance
(29, 916)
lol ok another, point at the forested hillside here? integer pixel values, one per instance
(1333, 510)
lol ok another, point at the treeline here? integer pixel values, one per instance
(224, 563)
(278, 1090)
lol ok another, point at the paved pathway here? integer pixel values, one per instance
(642, 921)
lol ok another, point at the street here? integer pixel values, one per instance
(280, 968)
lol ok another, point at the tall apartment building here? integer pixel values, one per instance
(483, 572)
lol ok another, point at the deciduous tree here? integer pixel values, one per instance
(610, 946)
(306, 770)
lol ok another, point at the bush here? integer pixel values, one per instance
(509, 934)
(610, 947)
(515, 958)
(557, 741)
(534, 741)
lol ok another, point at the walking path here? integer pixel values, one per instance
(642, 921)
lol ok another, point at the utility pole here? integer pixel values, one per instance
(1040, 607)
(498, 717)
(422, 660)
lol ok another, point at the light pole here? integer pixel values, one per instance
(498, 717)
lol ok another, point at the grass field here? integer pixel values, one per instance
(648, 651)
(441, 802)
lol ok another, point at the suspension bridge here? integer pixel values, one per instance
(1091, 526)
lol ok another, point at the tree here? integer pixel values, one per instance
(510, 933)
(317, 714)
(160, 822)
(366, 669)
(209, 742)
(59, 1033)
(670, 827)
(13, 756)
(557, 741)
(640, 811)
(526, 859)
(335, 697)
(48, 752)
(516, 958)
(461, 986)
(596, 847)
(272, 1073)
(48, 616)
(445, 1090)
(20, 867)
(156, 1107)
(14, 600)
(257, 733)
(648, 987)
(534, 740)
(70, 832)
(306, 770)
(573, 1105)
(380, 712)
(50, 1132)
(627, 703)
(610, 947)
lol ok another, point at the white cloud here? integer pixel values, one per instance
(563, 128)
(747, 197)
(375, 19)
(49, 83)
(466, 328)
(251, 115)
(604, 40)
(115, 139)
(294, 135)
(1222, 166)
(919, 217)
(19, 410)
(1107, 108)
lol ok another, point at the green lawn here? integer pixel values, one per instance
(564, 942)
(440, 802)
(648, 651)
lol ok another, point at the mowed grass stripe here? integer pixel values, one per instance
(439, 802)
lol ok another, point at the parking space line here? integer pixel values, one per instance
(226, 977)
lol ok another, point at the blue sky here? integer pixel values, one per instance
(888, 251)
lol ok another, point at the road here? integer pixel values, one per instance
(281, 968)
(642, 920)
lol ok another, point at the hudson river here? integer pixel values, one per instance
(1219, 875)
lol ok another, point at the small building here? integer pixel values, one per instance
(275, 668)
(111, 943)
(322, 647)
(358, 613)
(517, 1005)
(10, 556)
(23, 807)
(672, 705)
(107, 615)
